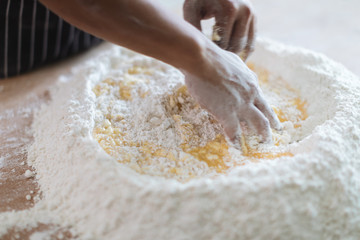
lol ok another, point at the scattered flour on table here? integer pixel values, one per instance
(113, 153)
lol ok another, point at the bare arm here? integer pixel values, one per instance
(140, 25)
(218, 79)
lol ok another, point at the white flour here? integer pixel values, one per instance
(146, 119)
(314, 194)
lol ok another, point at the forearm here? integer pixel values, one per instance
(140, 25)
(218, 79)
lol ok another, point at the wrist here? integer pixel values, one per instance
(199, 57)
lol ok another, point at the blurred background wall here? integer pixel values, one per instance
(331, 27)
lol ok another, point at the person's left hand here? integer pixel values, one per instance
(235, 22)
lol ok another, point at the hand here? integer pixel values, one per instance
(235, 22)
(229, 90)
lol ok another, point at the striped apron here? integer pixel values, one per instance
(32, 36)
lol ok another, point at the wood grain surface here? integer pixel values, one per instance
(20, 98)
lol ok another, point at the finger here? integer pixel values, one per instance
(231, 126)
(249, 47)
(259, 123)
(268, 112)
(233, 131)
(192, 13)
(239, 36)
(223, 28)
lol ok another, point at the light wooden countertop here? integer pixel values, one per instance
(328, 26)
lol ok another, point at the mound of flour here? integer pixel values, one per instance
(314, 194)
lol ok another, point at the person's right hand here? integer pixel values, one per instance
(228, 89)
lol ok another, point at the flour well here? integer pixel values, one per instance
(314, 193)
(146, 119)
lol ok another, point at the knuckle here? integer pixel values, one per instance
(246, 10)
(231, 7)
(252, 86)
(253, 90)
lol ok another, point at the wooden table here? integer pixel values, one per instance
(20, 98)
